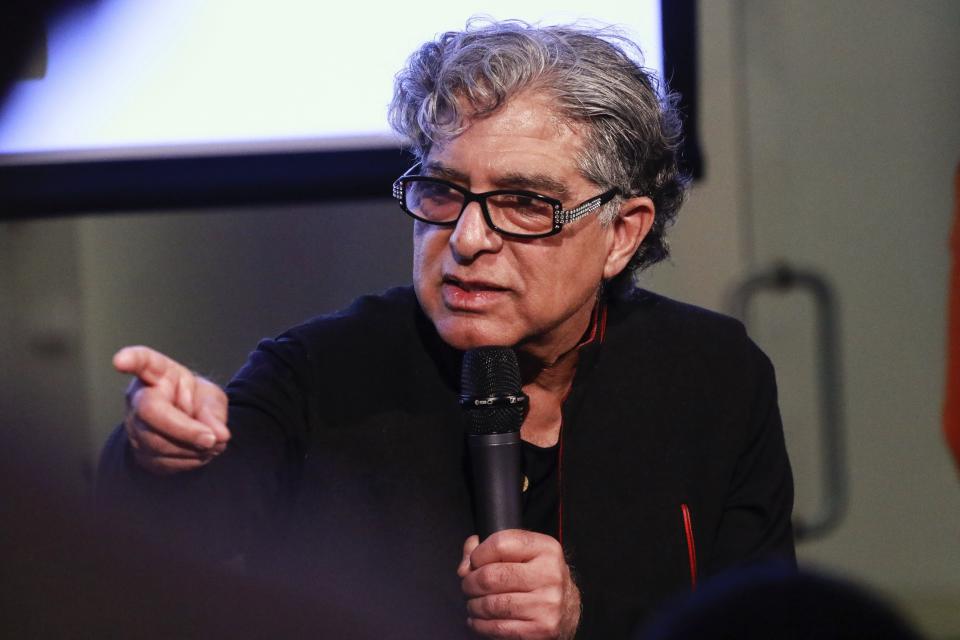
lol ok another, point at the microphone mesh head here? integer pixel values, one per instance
(491, 372)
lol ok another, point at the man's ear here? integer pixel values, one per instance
(629, 228)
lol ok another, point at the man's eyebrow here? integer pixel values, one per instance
(438, 170)
(538, 182)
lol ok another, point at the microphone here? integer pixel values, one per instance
(494, 407)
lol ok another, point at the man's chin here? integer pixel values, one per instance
(465, 334)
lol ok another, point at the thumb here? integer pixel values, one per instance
(469, 545)
(210, 414)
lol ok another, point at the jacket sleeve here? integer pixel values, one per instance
(756, 521)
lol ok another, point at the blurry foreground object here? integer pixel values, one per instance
(951, 407)
(65, 576)
(777, 602)
(23, 25)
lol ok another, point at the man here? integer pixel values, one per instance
(653, 450)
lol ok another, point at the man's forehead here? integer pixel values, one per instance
(528, 116)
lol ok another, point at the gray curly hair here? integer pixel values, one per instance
(632, 129)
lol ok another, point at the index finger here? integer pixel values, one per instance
(147, 364)
(512, 545)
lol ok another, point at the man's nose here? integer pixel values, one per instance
(472, 235)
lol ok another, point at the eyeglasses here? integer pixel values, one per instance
(518, 214)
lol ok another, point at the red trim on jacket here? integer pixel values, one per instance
(598, 325)
(691, 544)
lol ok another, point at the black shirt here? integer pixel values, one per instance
(541, 496)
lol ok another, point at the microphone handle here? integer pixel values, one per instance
(496, 461)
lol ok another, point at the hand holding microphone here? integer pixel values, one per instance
(517, 583)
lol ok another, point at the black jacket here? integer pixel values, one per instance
(346, 466)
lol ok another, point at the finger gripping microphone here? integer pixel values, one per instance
(494, 407)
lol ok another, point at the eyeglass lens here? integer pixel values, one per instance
(512, 212)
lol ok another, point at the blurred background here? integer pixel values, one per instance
(829, 134)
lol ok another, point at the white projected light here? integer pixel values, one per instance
(137, 79)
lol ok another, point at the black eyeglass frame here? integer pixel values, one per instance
(561, 216)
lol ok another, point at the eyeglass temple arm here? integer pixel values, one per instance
(589, 206)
